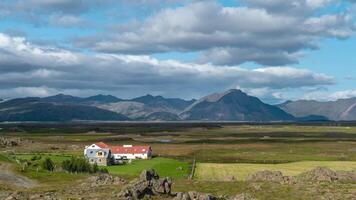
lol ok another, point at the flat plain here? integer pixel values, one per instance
(221, 151)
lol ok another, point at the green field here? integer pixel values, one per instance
(221, 151)
(223, 172)
(164, 166)
(56, 158)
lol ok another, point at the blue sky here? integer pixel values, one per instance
(276, 50)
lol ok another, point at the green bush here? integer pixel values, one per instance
(48, 164)
(95, 168)
(36, 157)
(103, 171)
(81, 165)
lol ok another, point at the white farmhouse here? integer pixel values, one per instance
(103, 154)
(131, 152)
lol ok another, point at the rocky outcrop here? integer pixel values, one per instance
(105, 179)
(323, 174)
(9, 142)
(25, 196)
(192, 195)
(243, 196)
(269, 176)
(319, 174)
(148, 184)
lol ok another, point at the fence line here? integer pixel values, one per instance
(190, 177)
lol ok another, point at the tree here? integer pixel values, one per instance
(95, 168)
(48, 165)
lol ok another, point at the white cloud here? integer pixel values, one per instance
(229, 35)
(40, 69)
(66, 20)
(330, 96)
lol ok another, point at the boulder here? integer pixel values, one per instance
(346, 175)
(192, 195)
(243, 196)
(9, 142)
(319, 174)
(105, 179)
(148, 175)
(323, 174)
(148, 184)
(269, 176)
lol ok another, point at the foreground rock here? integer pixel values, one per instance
(269, 176)
(323, 174)
(243, 196)
(24, 196)
(319, 174)
(9, 142)
(193, 196)
(105, 179)
(149, 184)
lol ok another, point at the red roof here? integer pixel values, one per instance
(129, 149)
(102, 145)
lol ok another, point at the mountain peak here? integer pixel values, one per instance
(217, 96)
(62, 98)
(233, 104)
(103, 98)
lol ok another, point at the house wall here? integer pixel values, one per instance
(99, 161)
(132, 156)
(100, 156)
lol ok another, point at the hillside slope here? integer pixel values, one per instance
(234, 105)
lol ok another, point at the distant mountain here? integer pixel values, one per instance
(62, 98)
(103, 99)
(36, 109)
(343, 109)
(234, 105)
(149, 107)
(160, 116)
(173, 104)
(130, 109)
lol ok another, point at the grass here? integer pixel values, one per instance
(56, 158)
(4, 158)
(221, 151)
(52, 178)
(164, 167)
(222, 172)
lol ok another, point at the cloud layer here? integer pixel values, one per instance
(34, 69)
(113, 46)
(271, 32)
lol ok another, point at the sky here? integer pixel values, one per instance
(276, 50)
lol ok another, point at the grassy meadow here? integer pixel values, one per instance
(165, 167)
(223, 172)
(220, 150)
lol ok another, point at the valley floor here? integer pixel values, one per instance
(225, 156)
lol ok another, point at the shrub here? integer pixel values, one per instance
(36, 157)
(104, 171)
(48, 164)
(80, 165)
(95, 168)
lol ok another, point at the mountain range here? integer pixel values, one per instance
(340, 110)
(231, 105)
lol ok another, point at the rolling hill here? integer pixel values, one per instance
(343, 109)
(234, 105)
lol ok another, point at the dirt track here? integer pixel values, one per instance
(8, 177)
